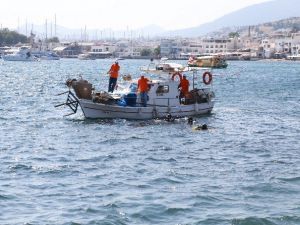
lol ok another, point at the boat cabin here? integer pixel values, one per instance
(164, 93)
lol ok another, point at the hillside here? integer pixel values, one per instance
(265, 29)
(255, 14)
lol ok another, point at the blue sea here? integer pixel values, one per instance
(244, 170)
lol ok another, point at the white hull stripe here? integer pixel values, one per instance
(107, 110)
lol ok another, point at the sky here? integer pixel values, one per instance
(117, 14)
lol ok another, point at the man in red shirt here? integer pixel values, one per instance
(114, 73)
(143, 89)
(184, 87)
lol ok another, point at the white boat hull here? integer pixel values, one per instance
(50, 58)
(102, 111)
(18, 58)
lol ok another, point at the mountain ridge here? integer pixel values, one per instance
(254, 14)
(251, 15)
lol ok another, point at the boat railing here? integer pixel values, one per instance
(72, 102)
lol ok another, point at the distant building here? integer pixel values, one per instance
(295, 48)
(184, 48)
(85, 46)
(213, 46)
(102, 50)
(194, 47)
(234, 44)
(266, 49)
(283, 45)
(128, 49)
(68, 51)
(103, 47)
(169, 48)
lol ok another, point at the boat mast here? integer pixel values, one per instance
(194, 71)
(55, 25)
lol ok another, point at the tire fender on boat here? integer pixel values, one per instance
(177, 74)
(207, 78)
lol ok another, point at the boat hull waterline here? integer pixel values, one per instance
(93, 110)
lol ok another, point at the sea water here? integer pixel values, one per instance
(244, 170)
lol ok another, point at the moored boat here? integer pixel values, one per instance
(209, 61)
(19, 54)
(294, 57)
(164, 66)
(86, 56)
(46, 55)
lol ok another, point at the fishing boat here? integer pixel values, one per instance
(163, 98)
(208, 61)
(19, 54)
(294, 57)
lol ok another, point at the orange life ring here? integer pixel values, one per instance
(177, 74)
(204, 77)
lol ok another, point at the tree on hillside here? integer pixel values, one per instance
(8, 37)
(53, 40)
(233, 34)
(295, 28)
(146, 52)
(157, 51)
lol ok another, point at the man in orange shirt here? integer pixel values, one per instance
(114, 73)
(184, 87)
(143, 89)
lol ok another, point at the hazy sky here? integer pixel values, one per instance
(117, 14)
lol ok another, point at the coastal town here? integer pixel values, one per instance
(248, 43)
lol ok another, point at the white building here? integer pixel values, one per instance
(193, 47)
(103, 47)
(200, 47)
(215, 45)
(267, 48)
(127, 49)
(295, 48)
(234, 44)
(169, 48)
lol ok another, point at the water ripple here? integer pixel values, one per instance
(69, 170)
